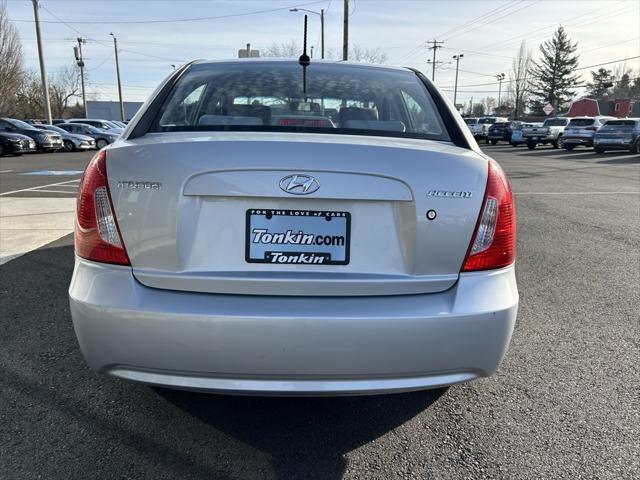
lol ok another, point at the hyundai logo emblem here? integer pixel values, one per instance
(299, 184)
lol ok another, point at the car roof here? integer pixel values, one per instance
(285, 61)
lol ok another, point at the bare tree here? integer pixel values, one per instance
(520, 81)
(283, 50)
(63, 86)
(11, 70)
(367, 55)
(489, 104)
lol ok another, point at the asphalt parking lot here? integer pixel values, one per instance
(564, 404)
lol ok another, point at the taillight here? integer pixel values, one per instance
(97, 236)
(494, 242)
(593, 129)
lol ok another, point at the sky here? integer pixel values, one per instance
(153, 35)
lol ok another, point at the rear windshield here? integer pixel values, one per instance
(470, 121)
(276, 96)
(620, 123)
(555, 122)
(501, 124)
(581, 122)
(487, 120)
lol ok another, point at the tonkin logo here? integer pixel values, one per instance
(299, 184)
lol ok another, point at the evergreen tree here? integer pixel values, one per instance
(553, 74)
(602, 80)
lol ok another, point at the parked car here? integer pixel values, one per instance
(71, 141)
(45, 141)
(102, 137)
(470, 120)
(619, 134)
(480, 130)
(550, 132)
(98, 123)
(15, 144)
(221, 249)
(516, 133)
(499, 132)
(581, 130)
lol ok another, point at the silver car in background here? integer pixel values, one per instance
(237, 238)
(581, 131)
(101, 137)
(71, 141)
(618, 134)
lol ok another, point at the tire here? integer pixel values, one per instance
(514, 144)
(69, 146)
(559, 143)
(569, 147)
(635, 148)
(101, 143)
(486, 141)
(598, 149)
(531, 145)
(1, 151)
(494, 142)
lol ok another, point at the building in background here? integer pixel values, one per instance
(618, 107)
(111, 110)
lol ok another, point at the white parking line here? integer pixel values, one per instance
(6, 171)
(31, 222)
(53, 191)
(31, 189)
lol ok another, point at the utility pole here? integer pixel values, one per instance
(115, 48)
(435, 46)
(43, 72)
(455, 89)
(500, 77)
(345, 32)
(77, 51)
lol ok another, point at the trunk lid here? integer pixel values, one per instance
(189, 206)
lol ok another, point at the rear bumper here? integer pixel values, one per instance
(291, 345)
(578, 140)
(609, 145)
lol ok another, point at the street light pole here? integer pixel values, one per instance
(455, 89)
(43, 73)
(500, 78)
(321, 14)
(80, 62)
(115, 48)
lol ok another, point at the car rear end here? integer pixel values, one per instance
(580, 132)
(219, 248)
(620, 134)
(536, 133)
(499, 131)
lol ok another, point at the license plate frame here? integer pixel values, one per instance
(277, 228)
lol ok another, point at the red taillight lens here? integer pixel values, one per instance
(97, 236)
(494, 241)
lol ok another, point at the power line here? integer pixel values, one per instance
(481, 17)
(565, 21)
(493, 20)
(177, 20)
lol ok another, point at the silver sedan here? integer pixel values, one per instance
(270, 228)
(71, 141)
